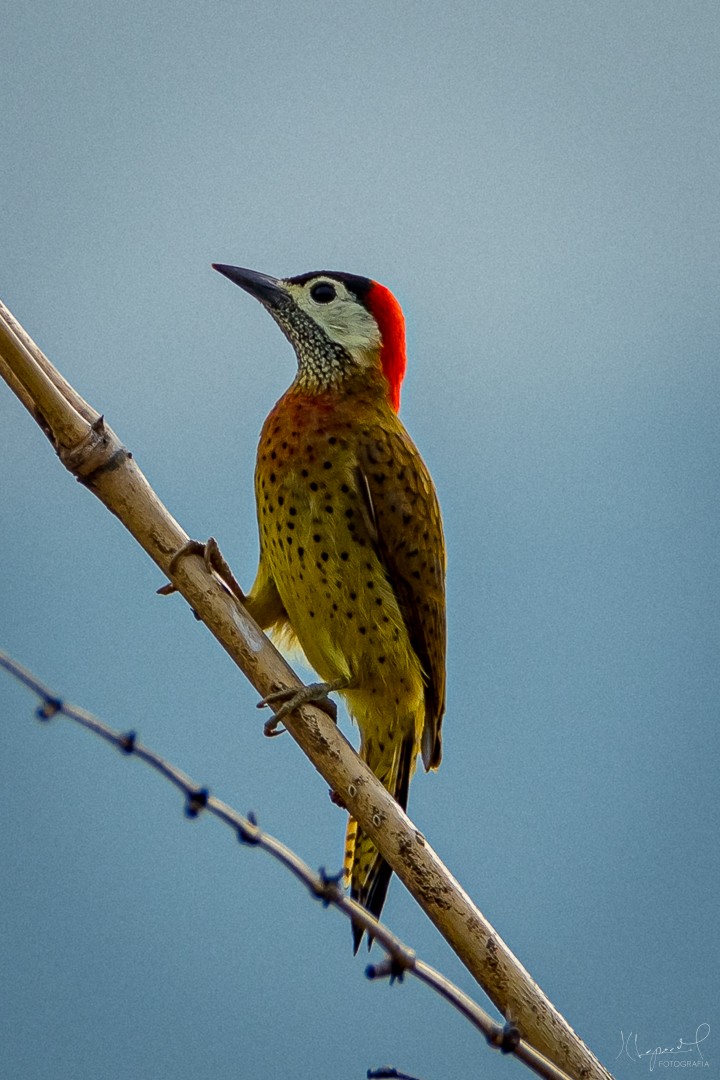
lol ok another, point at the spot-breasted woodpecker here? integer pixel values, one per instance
(352, 554)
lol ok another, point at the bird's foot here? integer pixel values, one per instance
(337, 799)
(214, 561)
(317, 693)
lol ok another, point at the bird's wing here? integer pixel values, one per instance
(403, 517)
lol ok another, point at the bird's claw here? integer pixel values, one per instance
(271, 728)
(215, 563)
(292, 698)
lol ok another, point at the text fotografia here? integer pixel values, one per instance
(685, 1054)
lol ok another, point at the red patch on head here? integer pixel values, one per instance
(391, 321)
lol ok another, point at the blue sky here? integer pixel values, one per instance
(538, 184)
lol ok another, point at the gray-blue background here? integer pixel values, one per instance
(538, 183)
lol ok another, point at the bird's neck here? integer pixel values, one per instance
(331, 384)
(357, 401)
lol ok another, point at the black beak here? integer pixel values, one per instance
(264, 288)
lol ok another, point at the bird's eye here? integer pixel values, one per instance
(323, 292)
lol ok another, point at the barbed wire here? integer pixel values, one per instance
(400, 959)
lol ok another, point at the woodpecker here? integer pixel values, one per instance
(352, 553)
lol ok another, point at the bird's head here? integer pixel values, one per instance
(338, 324)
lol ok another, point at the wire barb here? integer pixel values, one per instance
(388, 1072)
(127, 742)
(327, 887)
(248, 831)
(393, 967)
(506, 1039)
(50, 707)
(196, 801)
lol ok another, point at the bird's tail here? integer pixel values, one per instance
(364, 869)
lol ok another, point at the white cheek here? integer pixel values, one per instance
(345, 321)
(353, 328)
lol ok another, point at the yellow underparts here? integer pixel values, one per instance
(318, 560)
